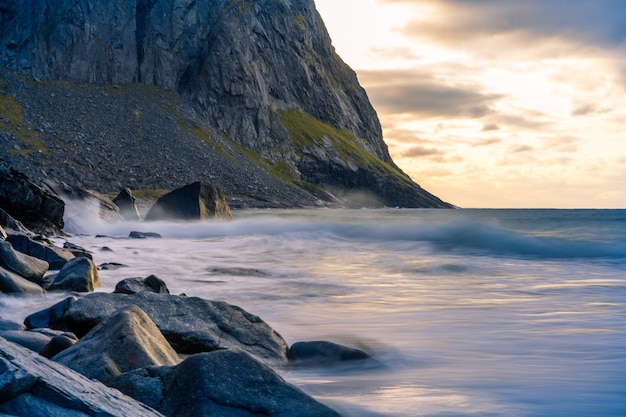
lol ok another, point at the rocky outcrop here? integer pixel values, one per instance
(41, 249)
(190, 324)
(204, 385)
(127, 205)
(30, 204)
(125, 341)
(247, 95)
(197, 201)
(324, 352)
(32, 385)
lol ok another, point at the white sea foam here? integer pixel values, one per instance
(469, 313)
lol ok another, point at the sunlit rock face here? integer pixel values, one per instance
(262, 74)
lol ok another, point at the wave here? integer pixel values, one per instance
(453, 235)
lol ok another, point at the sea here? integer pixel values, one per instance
(465, 312)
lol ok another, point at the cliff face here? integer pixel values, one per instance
(260, 74)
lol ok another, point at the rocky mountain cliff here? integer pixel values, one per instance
(249, 95)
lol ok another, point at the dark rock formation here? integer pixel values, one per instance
(31, 340)
(11, 283)
(32, 385)
(151, 283)
(190, 324)
(3, 234)
(111, 266)
(51, 317)
(197, 201)
(26, 266)
(125, 341)
(58, 344)
(220, 383)
(55, 257)
(127, 205)
(79, 274)
(77, 251)
(30, 204)
(322, 352)
(247, 95)
(143, 235)
(10, 325)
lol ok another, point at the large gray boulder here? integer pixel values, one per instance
(190, 324)
(125, 341)
(31, 385)
(79, 274)
(196, 201)
(11, 283)
(41, 249)
(219, 383)
(127, 205)
(26, 266)
(51, 317)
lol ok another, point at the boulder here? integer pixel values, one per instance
(151, 283)
(9, 222)
(38, 209)
(127, 205)
(324, 352)
(58, 344)
(31, 340)
(77, 251)
(143, 235)
(10, 325)
(3, 234)
(190, 324)
(196, 201)
(111, 266)
(11, 283)
(41, 249)
(50, 317)
(79, 274)
(31, 385)
(26, 266)
(125, 341)
(219, 383)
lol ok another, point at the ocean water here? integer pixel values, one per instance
(466, 312)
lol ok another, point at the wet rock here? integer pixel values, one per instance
(125, 341)
(219, 383)
(324, 352)
(3, 234)
(31, 385)
(9, 222)
(111, 266)
(30, 340)
(10, 325)
(151, 283)
(26, 266)
(77, 251)
(46, 251)
(79, 274)
(29, 203)
(11, 283)
(143, 235)
(196, 201)
(51, 317)
(127, 205)
(58, 344)
(190, 324)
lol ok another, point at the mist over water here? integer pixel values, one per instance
(467, 312)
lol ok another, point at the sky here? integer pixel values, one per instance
(496, 103)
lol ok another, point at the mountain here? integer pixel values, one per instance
(153, 94)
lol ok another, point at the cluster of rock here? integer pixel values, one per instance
(140, 350)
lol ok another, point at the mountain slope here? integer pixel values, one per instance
(252, 88)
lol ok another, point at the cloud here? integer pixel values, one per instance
(487, 142)
(487, 127)
(418, 151)
(563, 144)
(520, 148)
(597, 22)
(420, 94)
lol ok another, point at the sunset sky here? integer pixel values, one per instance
(496, 103)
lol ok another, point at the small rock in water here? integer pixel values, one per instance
(324, 352)
(135, 285)
(111, 266)
(143, 235)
